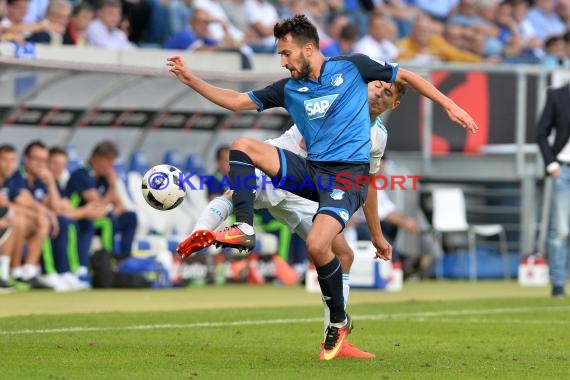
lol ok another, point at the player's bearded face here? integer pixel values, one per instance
(301, 68)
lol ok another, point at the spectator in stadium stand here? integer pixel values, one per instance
(261, 17)
(104, 31)
(37, 224)
(566, 37)
(36, 12)
(345, 43)
(556, 53)
(480, 16)
(402, 13)
(544, 19)
(14, 28)
(438, 10)
(426, 44)
(556, 156)
(197, 37)
(144, 20)
(219, 30)
(57, 14)
(235, 10)
(96, 182)
(334, 25)
(563, 11)
(531, 45)
(76, 31)
(180, 12)
(377, 43)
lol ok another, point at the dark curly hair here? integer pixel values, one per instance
(300, 28)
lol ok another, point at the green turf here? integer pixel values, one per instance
(429, 331)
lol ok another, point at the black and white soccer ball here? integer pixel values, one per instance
(161, 187)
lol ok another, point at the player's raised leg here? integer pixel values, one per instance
(245, 155)
(202, 236)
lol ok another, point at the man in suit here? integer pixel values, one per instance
(556, 116)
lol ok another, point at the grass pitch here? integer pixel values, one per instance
(431, 330)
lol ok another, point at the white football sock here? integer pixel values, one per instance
(16, 272)
(345, 287)
(30, 271)
(214, 214)
(4, 267)
(82, 271)
(327, 318)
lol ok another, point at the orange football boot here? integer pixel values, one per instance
(234, 237)
(195, 242)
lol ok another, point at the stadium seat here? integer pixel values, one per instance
(75, 160)
(139, 162)
(120, 168)
(174, 157)
(449, 215)
(194, 164)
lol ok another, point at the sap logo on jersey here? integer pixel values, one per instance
(318, 107)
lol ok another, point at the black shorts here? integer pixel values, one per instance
(331, 184)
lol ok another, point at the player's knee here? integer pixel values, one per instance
(316, 247)
(243, 144)
(41, 226)
(17, 222)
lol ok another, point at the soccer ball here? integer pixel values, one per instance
(161, 187)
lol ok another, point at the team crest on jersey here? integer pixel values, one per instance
(318, 107)
(337, 80)
(303, 89)
(337, 194)
(39, 194)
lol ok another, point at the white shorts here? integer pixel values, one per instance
(292, 210)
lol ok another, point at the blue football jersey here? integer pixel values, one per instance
(38, 189)
(332, 111)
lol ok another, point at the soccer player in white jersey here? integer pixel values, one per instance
(297, 212)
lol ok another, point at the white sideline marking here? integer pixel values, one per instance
(415, 317)
(505, 321)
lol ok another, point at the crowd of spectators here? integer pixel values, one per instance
(423, 31)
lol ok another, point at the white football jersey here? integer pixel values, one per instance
(378, 139)
(267, 195)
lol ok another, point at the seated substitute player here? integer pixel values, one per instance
(43, 186)
(327, 98)
(96, 183)
(37, 224)
(296, 212)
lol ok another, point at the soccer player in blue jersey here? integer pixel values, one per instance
(296, 212)
(327, 99)
(96, 182)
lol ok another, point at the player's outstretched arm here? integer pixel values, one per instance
(370, 209)
(229, 99)
(455, 113)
